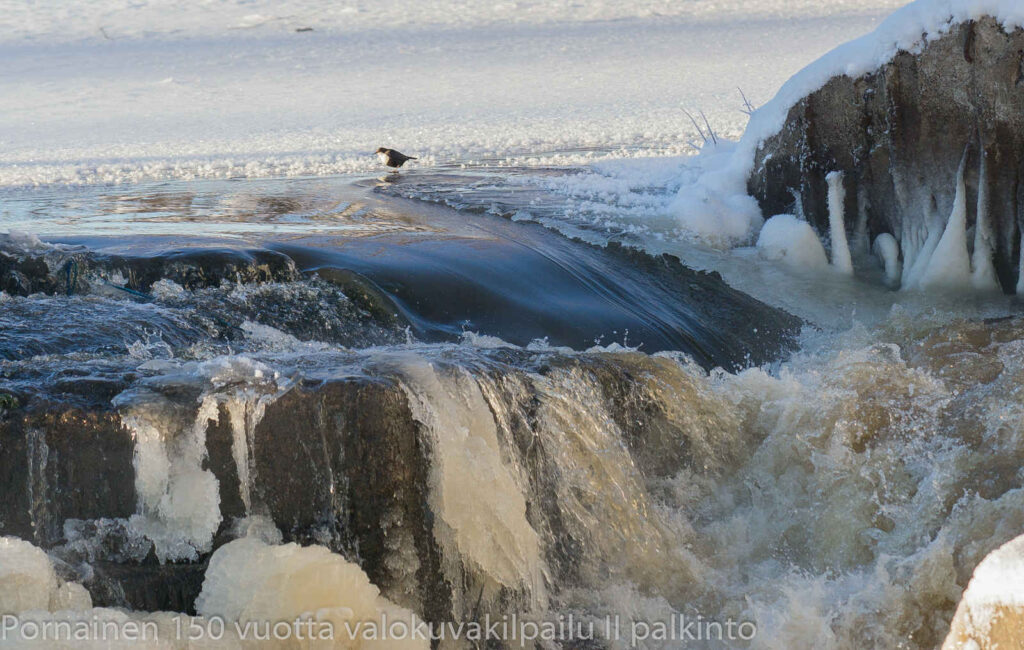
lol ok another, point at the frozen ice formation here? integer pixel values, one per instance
(916, 129)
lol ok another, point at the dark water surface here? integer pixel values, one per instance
(445, 272)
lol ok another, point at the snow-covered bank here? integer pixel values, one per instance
(55, 21)
(185, 92)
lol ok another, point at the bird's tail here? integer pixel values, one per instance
(413, 158)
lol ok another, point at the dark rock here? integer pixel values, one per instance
(720, 325)
(353, 476)
(147, 587)
(365, 294)
(60, 462)
(342, 462)
(15, 283)
(195, 269)
(21, 275)
(74, 273)
(898, 135)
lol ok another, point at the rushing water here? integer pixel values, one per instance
(463, 429)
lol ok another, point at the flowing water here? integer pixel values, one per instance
(463, 416)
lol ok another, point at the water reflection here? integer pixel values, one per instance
(202, 208)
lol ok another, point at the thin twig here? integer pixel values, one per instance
(711, 132)
(700, 131)
(748, 108)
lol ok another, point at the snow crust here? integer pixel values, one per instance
(51, 21)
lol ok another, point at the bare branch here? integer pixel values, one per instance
(711, 132)
(696, 125)
(748, 108)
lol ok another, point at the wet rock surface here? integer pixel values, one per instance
(71, 271)
(899, 135)
(340, 462)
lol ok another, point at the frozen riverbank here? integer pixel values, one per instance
(108, 93)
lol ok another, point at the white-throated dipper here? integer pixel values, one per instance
(393, 158)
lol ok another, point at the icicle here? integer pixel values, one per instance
(836, 201)
(983, 275)
(912, 276)
(949, 265)
(888, 252)
(910, 245)
(178, 497)
(245, 411)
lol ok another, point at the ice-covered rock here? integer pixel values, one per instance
(925, 120)
(991, 612)
(893, 112)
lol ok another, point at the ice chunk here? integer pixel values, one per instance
(29, 583)
(716, 210)
(179, 500)
(251, 581)
(792, 241)
(887, 249)
(991, 612)
(257, 526)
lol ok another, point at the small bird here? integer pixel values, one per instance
(392, 158)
